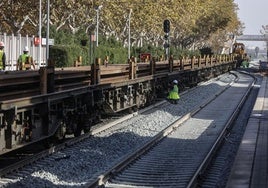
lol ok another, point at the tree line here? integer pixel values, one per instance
(194, 24)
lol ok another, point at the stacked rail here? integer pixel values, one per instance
(18, 84)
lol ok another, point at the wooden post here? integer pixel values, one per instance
(206, 60)
(43, 80)
(95, 72)
(135, 67)
(211, 60)
(152, 66)
(216, 59)
(78, 62)
(199, 62)
(182, 63)
(106, 61)
(192, 62)
(132, 68)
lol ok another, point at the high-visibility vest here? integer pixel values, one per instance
(23, 61)
(1, 59)
(174, 93)
(23, 57)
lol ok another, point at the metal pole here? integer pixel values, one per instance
(48, 20)
(129, 34)
(97, 29)
(97, 25)
(40, 28)
(90, 61)
(168, 49)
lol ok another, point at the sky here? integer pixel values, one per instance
(253, 13)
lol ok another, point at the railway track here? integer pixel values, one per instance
(218, 172)
(178, 156)
(91, 148)
(17, 159)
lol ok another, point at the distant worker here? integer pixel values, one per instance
(2, 56)
(25, 61)
(173, 95)
(245, 62)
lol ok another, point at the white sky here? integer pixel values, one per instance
(253, 13)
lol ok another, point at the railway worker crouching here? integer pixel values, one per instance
(173, 95)
(25, 61)
(2, 56)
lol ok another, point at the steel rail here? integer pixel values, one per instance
(104, 177)
(200, 171)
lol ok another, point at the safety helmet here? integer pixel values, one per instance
(175, 81)
(26, 49)
(2, 44)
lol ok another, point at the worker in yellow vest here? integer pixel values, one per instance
(2, 56)
(25, 61)
(173, 95)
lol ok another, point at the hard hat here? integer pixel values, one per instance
(26, 49)
(2, 44)
(175, 81)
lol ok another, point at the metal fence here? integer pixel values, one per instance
(14, 46)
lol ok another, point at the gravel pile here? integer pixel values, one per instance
(75, 166)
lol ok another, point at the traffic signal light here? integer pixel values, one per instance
(166, 26)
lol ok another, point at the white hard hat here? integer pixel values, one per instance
(2, 44)
(175, 81)
(26, 49)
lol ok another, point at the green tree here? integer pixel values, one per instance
(194, 24)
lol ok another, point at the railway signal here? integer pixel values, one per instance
(166, 25)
